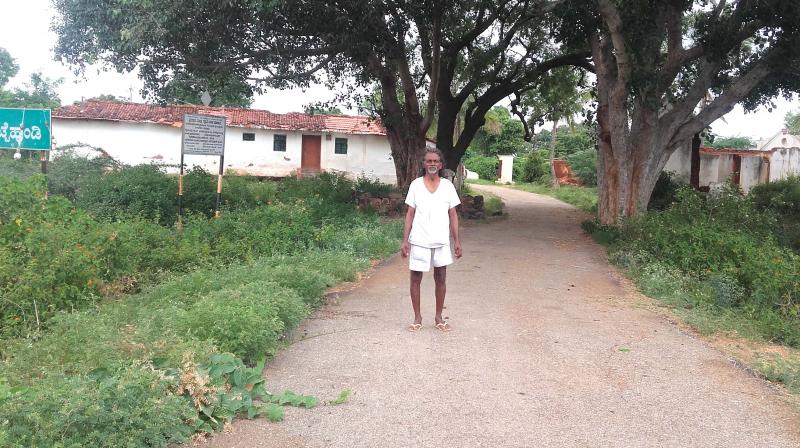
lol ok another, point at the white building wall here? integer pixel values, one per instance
(785, 162)
(680, 162)
(724, 167)
(138, 143)
(709, 170)
(750, 173)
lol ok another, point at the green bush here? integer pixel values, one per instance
(329, 187)
(486, 167)
(583, 164)
(56, 257)
(782, 198)
(531, 167)
(67, 172)
(205, 289)
(142, 191)
(247, 320)
(133, 408)
(367, 184)
(726, 243)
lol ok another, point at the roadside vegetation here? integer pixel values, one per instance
(120, 330)
(728, 263)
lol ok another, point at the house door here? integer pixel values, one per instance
(737, 170)
(312, 150)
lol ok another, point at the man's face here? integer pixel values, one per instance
(432, 163)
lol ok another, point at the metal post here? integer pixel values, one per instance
(180, 196)
(219, 185)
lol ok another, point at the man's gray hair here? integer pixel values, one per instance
(436, 151)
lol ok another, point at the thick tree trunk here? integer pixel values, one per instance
(408, 149)
(627, 171)
(553, 154)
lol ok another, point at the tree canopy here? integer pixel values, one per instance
(737, 142)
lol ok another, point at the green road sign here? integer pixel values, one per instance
(25, 129)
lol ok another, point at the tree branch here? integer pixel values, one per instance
(614, 24)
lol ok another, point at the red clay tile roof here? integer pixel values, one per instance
(246, 118)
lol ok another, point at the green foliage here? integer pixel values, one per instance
(584, 165)
(321, 109)
(19, 169)
(737, 142)
(559, 96)
(792, 122)
(665, 193)
(492, 205)
(500, 134)
(575, 139)
(56, 257)
(187, 88)
(246, 308)
(486, 167)
(39, 94)
(367, 184)
(67, 172)
(133, 408)
(8, 67)
(145, 191)
(726, 246)
(138, 191)
(783, 198)
(247, 321)
(531, 167)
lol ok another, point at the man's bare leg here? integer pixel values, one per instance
(416, 280)
(440, 278)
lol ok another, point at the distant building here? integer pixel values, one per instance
(774, 159)
(257, 142)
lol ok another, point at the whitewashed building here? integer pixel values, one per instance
(257, 142)
(774, 159)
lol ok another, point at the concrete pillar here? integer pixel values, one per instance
(506, 169)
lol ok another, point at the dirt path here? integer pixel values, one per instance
(548, 349)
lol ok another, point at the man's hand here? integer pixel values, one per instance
(405, 248)
(458, 249)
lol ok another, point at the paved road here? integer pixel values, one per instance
(547, 350)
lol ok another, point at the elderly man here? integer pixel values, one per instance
(430, 220)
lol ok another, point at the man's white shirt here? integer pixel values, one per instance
(431, 225)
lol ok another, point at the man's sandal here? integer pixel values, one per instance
(443, 326)
(414, 327)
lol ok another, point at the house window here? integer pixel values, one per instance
(248, 137)
(341, 146)
(279, 143)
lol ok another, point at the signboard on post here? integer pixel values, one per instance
(25, 129)
(203, 135)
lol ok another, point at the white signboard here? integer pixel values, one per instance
(203, 135)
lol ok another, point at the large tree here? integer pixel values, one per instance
(655, 61)
(442, 58)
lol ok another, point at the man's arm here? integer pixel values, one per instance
(404, 246)
(454, 231)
